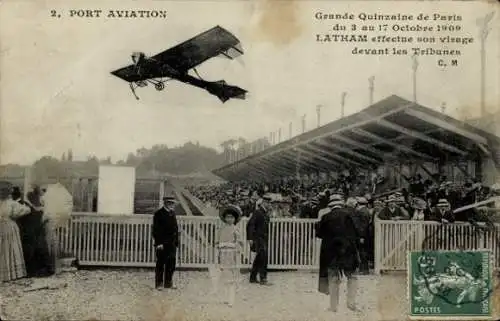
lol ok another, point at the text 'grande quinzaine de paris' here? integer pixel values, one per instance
(395, 34)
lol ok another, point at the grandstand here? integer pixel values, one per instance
(392, 132)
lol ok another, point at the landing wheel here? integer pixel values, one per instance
(159, 86)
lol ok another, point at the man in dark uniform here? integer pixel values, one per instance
(258, 234)
(166, 241)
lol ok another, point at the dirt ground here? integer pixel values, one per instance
(128, 295)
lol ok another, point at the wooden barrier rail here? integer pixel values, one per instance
(125, 240)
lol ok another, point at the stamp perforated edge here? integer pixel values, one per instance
(411, 316)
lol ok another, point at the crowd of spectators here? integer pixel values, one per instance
(307, 199)
(430, 200)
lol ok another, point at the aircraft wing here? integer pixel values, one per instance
(132, 74)
(211, 43)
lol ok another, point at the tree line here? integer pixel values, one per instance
(158, 159)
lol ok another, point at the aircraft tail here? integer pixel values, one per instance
(224, 91)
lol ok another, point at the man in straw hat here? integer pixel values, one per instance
(442, 213)
(392, 211)
(339, 253)
(166, 241)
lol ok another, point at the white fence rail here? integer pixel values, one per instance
(393, 240)
(109, 240)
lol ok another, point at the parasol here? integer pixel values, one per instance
(58, 204)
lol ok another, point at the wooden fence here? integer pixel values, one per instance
(109, 240)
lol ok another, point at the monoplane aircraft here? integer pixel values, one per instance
(174, 64)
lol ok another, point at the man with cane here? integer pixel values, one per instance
(166, 241)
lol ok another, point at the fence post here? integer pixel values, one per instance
(378, 241)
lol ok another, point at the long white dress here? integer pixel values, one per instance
(12, 265)
(228, 245)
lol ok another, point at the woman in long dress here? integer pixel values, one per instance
(12, 264)
(229, 244)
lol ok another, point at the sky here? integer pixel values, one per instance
(57, 91)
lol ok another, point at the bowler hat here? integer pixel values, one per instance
(169, 199)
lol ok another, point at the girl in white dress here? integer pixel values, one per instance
(228, 247)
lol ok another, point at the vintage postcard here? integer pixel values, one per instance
(249, 160)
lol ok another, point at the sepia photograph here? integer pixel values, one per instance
(249, 160)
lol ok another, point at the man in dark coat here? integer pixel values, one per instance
(258, 235)
(339, 253)
(33, 236)
(166, 241)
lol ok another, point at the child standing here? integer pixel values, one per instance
(228, 246)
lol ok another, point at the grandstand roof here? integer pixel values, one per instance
(393, 130)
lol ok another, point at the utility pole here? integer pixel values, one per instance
(482, 23)
(342, 104)
(304, 124)
(371, 80)
(318, 114)
(415, 67)
(297, 161)
(290, 130)
(279, 135)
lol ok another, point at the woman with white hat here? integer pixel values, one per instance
(419, 210)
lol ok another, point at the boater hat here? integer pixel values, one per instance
(391, 199)
(361, 200)
(443, 202)
(231, 210)
(336, 204)
(336, 197)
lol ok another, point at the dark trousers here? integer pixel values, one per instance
(165, 266)
(364, 259)
(259, 265)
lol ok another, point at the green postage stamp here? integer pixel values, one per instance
(450, 285)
